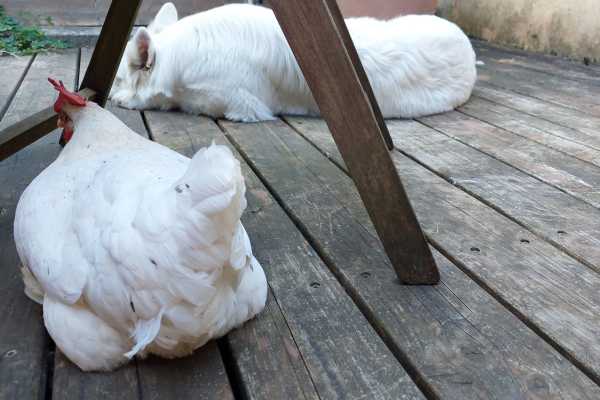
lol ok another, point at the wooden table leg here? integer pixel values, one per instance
(109, 48)
(317, 34)
(340, 26)
(23, 133)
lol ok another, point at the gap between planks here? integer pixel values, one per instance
(564, 172)
(246, 133)
(17, 171)
(400, 355)
(547, 222)
(330, 370)
(567, 141)
(563, 117)
(566, 351)
(571, 94)
(555, 65)
(15, 89)
(406, 362)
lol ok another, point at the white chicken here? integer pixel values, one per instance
(131, 247)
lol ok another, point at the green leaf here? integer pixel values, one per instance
(16, 38)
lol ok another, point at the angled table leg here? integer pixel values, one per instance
(340, 26)
(110, 46)
(317, 34)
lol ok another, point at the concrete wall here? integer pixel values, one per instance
(93, 12)
(383, 9)
(564, 27)
(74, 13)
(386, 8)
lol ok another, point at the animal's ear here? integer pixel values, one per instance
(167, 15)
(142, 52)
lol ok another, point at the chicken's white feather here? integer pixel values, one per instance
(136, 248)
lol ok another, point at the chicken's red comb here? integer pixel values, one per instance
(65, 96)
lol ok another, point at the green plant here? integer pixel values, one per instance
(18, 39)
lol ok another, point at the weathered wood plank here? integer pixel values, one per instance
(36, 86)
(12, 70)
(557, 217)
(266, 359)
(458, 224)
(460, 343)
(570, 141)
(554, 215)
(541, 109)
(331, 73)
(569, 93)
(18, 136)
(23, 339)
(293, 349)
(18, 132)
(70, 383)
(109, 48)
(571, 175)
(201, 375)
(555, 294)
(538, 62)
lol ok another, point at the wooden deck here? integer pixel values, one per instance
(507, 189)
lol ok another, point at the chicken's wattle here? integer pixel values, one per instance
(67, 125)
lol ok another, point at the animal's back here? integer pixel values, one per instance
(416, 64)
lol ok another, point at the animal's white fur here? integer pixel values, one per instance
(233, 61)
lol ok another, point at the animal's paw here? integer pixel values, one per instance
(245, 117)
(123, 100)
(245, 107)
(124, 104)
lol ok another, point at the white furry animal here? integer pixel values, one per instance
(234, 62)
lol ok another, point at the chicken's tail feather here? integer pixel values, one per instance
(213, 177)
(144, 333)
(212, 189)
